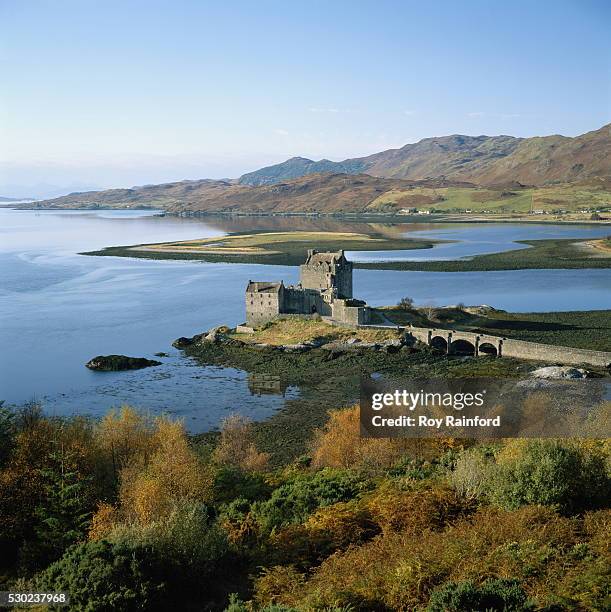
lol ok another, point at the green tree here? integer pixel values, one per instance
(293, 502)
(406, 303)
(102, 576)
(64, 514)
(7, 433)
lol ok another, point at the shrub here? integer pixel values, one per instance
(231, 483)
(172, 473)
(125, 438)
(340, 445)
(293, 502)
(239, 523)
(236, 448)
(502, 595)
(278, 585)
(327, 531)
(187, 538)
(551, 473)
(105, 576)
(411, 512)
(8, 431)
(237, 605)
(472, 473)
(400, 569)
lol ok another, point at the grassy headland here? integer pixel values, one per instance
(273, 248)
(290, 249)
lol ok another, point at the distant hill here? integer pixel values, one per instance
(483, 160)
(324, 193)
(300, 166)
(447, 174)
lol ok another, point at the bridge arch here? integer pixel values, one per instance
(439, 343)
(462, 347)
(487, 348)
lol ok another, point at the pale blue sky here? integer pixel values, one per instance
(115, 93)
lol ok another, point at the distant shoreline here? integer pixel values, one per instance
(395, 218)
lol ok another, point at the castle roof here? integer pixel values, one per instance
(314, 257)
(263, 287)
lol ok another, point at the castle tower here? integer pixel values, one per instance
(327, 271)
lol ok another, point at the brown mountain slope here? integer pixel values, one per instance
(484, 160)
(328, 193)
(551, 159)
(445, 156)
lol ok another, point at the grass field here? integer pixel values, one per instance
(478, 200)
(296, 330)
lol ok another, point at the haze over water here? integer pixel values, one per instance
(58, 309)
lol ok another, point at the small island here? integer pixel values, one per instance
(291, 248)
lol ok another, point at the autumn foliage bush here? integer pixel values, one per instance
(400, 571)
(413, 511)
(236, 447)
(130, 513)
(339, 445)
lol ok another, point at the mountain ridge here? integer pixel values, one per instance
(482, 160)
(453, 173)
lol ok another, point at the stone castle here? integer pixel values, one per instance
(324, 289)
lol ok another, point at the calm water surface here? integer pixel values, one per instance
(471, 239)
(58, 309)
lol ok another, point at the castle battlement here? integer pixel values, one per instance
(325, 288)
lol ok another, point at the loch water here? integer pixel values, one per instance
(58, 308)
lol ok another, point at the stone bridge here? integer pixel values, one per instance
(455, 342)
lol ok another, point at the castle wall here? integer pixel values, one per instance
(349, 314)
(343, 279)
(318, 277)
(304, 301)
(323, 275)
(263, 306)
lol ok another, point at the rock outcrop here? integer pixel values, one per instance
(116, 363)
(559, 372)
